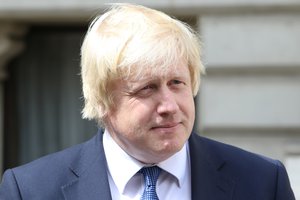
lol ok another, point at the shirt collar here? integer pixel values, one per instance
(116, 157)
(177, 164)
(122, 167)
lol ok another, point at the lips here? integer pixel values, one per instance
(166, 125)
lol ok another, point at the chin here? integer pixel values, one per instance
(171, 148)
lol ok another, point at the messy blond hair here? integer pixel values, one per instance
(130, 39)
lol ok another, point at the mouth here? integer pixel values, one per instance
(166, 126)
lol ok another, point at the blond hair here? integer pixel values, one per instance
(130, 39)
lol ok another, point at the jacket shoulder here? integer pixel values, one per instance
(45, 176)
(253, 174)
(231, 154)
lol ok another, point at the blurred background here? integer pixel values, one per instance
(249, 97)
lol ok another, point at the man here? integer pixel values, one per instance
(140, 72)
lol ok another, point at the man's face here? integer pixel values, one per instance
(153, 117)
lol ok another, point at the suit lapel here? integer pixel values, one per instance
(208, 180)
(89, 173)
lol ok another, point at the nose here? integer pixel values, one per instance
(167, 102)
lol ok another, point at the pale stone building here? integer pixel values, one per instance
(250, 96)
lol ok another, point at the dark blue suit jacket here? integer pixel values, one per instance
(219, 172)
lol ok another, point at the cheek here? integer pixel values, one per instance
(191, 107)
(187, 102)
(141, 108)
(136, 115)
(188, 111)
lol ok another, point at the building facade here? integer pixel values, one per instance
(249, 97)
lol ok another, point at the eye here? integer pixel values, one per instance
(148, 87)
(146, 91)
(176, 82)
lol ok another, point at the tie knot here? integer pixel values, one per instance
(150, 175)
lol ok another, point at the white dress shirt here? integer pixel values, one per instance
(125, 183)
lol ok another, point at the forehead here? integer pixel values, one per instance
(141, 72)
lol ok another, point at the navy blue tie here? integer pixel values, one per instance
(150, 177)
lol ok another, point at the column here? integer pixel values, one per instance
(11, 44)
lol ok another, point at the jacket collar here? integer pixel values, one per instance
(89, 172)
(208, 179)
(89, 180)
